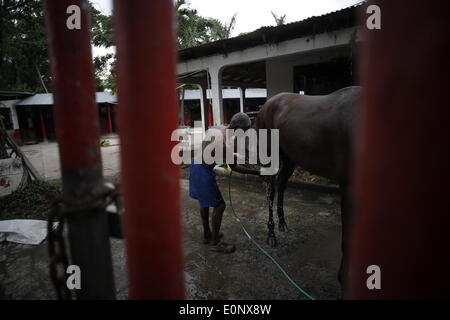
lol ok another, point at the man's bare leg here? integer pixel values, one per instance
(204, 213)
(216, 222)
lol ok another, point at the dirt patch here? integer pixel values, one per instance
(32, 202)
(301, 175)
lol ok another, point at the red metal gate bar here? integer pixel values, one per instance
(109, 119)
(147, 115)
(41, 118)
(77, 129)
(402, 222)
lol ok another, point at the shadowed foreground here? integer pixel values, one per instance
(310, 252)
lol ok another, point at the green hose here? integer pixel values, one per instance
(295, 284)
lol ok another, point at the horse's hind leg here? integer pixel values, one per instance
(270, 193)
(287, 168)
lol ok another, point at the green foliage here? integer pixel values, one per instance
(23, 48)
(32, 202)
(279, 19)
(193, 30)
(23, 45)
(102, 36)
(223, 30)
(104, 67)
(102, 29)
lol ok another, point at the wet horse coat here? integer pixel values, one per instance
(316, 133)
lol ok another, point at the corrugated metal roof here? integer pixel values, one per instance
(12, 95)
(37, 99)
(335, 20)
(47, 99)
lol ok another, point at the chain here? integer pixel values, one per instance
(59, 260)
(57, 252)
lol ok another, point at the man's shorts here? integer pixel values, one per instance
(203, 186)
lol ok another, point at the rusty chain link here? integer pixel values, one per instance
(59, 260)
(57, 252)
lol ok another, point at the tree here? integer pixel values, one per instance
(102, 36)
(24, 63)
(102, 29)
(223, 30)
(279, 19)
(104, 71)
(194, 30)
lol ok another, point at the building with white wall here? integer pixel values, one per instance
(28, 117)
(313, 56)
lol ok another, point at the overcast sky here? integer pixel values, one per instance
(252, 14)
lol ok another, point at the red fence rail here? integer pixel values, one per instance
(147, 103)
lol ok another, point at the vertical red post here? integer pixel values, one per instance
(41, 117)
(78, 133)
(210, 115)
(402, 175)
(109, 119)
(147, 98)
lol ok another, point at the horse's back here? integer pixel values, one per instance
(282, 104)
(315, 131)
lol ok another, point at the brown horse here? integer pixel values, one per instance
(315, 133)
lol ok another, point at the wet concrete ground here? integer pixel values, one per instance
(309, 252)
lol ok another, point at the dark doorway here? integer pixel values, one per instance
(324, 78)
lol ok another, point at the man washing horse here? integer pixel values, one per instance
(202, 179)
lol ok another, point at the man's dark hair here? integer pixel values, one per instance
(240, 121)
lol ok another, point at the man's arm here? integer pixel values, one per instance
(241, 169)
(244, 170)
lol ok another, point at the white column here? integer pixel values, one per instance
(216, 91)
(181, 119)
(203, 106)
(241, 98)
(279, 77)
(14, 118)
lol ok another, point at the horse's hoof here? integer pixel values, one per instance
(282, 226)
(272, 241)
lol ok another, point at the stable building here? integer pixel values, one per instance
(313, 56)
(29, 117)
(190, 104)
